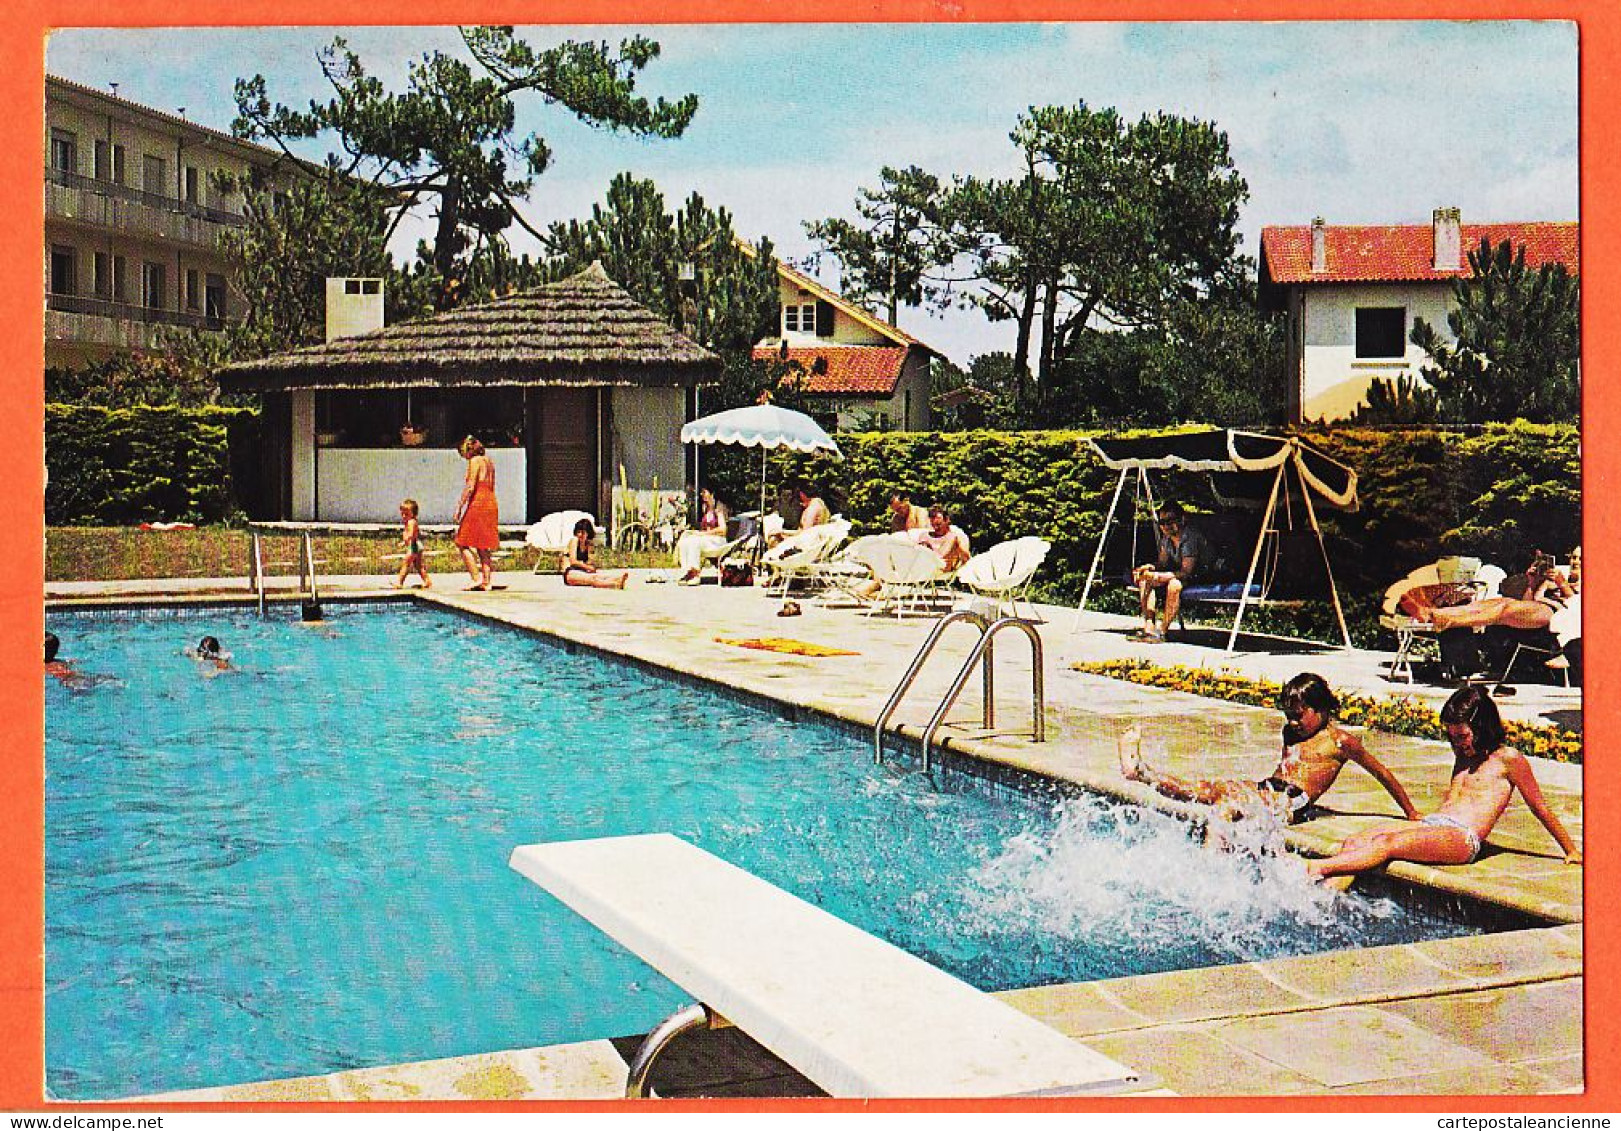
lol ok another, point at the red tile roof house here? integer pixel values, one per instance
(861, 373)
(1353, 293)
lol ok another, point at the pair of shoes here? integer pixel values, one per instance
(789, 609)
(1147, 636)
(688, 580)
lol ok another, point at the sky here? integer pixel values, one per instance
(1357, 122)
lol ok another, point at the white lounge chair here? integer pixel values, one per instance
(908, 576)
(1003, 573)
(551, 535)
(844, 577)
(855, 1015)
(1483, 579)
(796, 557)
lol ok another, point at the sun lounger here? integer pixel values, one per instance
(796, 557)
(853, 1014)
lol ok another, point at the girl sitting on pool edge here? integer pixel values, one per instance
(577, 567)
(1485, 774)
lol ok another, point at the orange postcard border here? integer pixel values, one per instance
(24, 26)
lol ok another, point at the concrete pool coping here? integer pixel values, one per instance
(674, 628)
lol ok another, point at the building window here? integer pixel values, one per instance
(214, 299)
(194, 291)
(64, 271)
(1381, 331)
(799, 318)
(104, 159)
(118, 165)
(154, 285)
(101, 275)
(120, 279)
(64, 151)
(193, 185)
(154, 175)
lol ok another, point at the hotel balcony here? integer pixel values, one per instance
(77, 199)
(101, 325)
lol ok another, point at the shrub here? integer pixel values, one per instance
(1424, 492)
(147, 463)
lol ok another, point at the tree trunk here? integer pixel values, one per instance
(1049, 346)
(447, 247)
(1021, 346)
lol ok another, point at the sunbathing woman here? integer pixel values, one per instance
(1315, 750)
(1529, 601)
(577, 567)
(1485, 774)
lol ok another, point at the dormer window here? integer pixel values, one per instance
(799, 318)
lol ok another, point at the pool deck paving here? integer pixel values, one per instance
(1493, 1014)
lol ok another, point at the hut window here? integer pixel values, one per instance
(372, 418)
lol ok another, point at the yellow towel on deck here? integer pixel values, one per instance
(792, 647)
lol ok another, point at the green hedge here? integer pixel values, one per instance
(1493, 493)
(115, 466)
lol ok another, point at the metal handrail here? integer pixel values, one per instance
(982, 655)
(307, 557)
(907, 680)
(683, 1020)
(256, 571)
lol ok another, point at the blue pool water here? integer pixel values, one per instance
(299, 865)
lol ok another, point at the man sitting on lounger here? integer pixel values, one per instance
(1315, 750)
(1183, 553)
(1485, 774)
(945, 539)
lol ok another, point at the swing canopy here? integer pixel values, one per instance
(1238, 463)
(1232, 450)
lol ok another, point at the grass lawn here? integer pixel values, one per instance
(122, 553)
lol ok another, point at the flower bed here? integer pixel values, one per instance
(1397, 714)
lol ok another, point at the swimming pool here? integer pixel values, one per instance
(299, 866)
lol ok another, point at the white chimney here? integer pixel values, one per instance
(1319, 246)
(353, 306)
(1448, 239)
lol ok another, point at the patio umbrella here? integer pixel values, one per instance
(762, 426)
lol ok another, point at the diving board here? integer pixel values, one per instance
(855, 1015)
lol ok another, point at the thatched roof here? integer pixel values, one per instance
(584, 330)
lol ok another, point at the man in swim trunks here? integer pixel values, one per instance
(1485, 774)
(1315, 750)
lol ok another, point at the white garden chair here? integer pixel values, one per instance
(908, 576)
(1003, 574)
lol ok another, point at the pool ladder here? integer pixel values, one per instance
(982, 656)
(306, 569)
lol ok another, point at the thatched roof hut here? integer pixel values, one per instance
(582, 331)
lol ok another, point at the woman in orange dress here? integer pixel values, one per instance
(477, 517)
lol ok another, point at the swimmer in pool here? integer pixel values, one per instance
(209, 652)
(64, 672)
(1485, 774)
(1315, 750)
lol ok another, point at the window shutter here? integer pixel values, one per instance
(824, 319)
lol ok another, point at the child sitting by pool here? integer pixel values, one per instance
(577, 567)
(1485, 774)
(1315, 750)
(411, 538)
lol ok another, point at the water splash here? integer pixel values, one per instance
(1135, 882)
